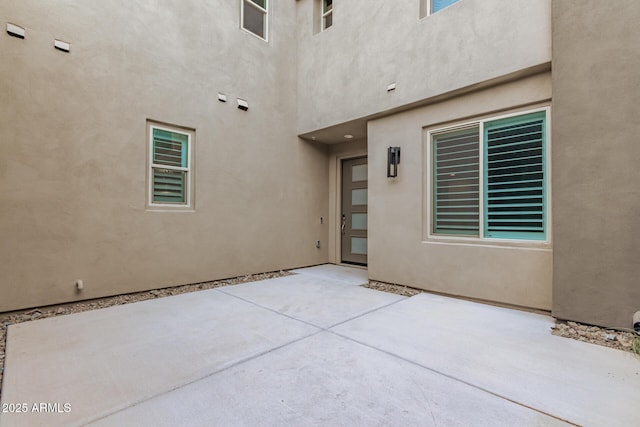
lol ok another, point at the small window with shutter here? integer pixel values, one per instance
(489, 179)
(170, 167)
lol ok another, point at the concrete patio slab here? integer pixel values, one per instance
(510, 353)
(104, 360)
(326, 380)
(336, 273)
(320, 302)
(239, 356)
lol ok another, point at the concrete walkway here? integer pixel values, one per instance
(311, 349)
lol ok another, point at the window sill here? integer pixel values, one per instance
(266, 40)
(490, 243)
(162, 208)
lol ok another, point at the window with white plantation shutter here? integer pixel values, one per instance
(456, 183)
(515, 177)
(169, 167)
(491, 183)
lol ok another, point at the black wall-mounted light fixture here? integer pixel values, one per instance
(393, 159)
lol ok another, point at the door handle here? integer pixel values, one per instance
(344, 224)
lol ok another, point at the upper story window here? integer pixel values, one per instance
(170, 166)
(327, 14)
(489, 179)
(428, 7)
(254, 17)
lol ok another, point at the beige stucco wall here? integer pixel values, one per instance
(596, 154)
(344, 71)
(517, 273)
(73, 148)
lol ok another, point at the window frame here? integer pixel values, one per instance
(265, 19)
(324, 15)
(482, 238)
(189, 171)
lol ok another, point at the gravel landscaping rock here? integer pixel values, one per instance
(21, 316)
(391, 288)
(620, 340)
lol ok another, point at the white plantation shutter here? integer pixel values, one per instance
(170, 163)
(456, 186)
(515, 177)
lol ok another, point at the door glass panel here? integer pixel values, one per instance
(358, 173)
(359, 197)
(359, 245)
(359, 221)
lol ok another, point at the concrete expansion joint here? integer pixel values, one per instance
(451, 377)
(329, 329)
(365, 313)
(319, 330)
(269, 309)
(204, 377)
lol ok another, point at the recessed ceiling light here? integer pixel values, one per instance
(313, 137)
(348, 136)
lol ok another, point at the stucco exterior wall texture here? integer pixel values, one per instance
(73, 144)
(596, 196)
(73, 148)
(343, 72)
(517, 273)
